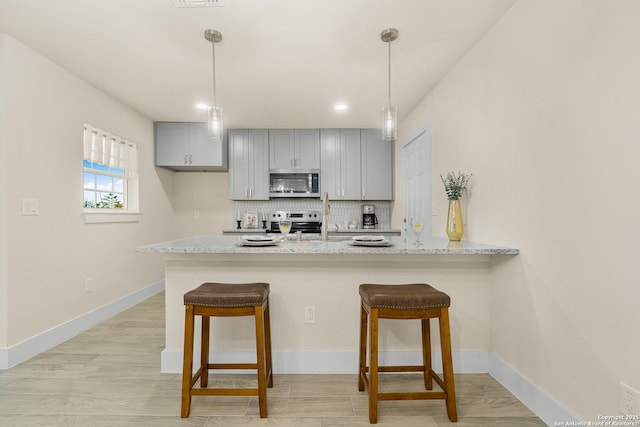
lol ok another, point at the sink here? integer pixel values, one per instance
(318, 238)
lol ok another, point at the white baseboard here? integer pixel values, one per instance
(331, 362)
(16, 354)
(542, 404)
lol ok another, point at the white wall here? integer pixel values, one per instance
(49, 256)
(206, 196)
(544, 113)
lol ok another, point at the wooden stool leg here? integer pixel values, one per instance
(373, 366)
(260, 356)
(363, 348)
(187, 364)
(426, 354)
(267, 340)
(447, 364)
(204, 352)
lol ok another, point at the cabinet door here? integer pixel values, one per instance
(248, 164)
(239, 166)
(259, 170)
(203, 151)
(306, 153)
(377, 166)
(350, 164)
(172, 143)
(330, 171)
(281, 143)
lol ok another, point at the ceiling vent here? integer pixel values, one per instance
(198, 3)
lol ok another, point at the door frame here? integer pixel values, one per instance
(423, 132)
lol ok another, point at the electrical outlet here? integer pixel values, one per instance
(88, 285)
(628, 399)
(310, 314)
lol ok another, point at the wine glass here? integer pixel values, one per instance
(418, 227)
(285, 227)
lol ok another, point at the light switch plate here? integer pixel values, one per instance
(30, 207)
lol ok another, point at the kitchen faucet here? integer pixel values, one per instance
(326, 210)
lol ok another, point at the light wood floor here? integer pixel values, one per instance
(110, 376)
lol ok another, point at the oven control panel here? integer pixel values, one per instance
(296, 216)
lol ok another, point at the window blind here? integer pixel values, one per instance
(110, 150)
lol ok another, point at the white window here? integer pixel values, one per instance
(110, 177)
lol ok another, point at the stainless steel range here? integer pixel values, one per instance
(305, 221)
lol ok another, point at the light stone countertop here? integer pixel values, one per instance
(340, 232)
(231, 244)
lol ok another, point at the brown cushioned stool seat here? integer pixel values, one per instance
(226, 300)
(411, 301)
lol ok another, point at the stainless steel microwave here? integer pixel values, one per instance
(294, 183)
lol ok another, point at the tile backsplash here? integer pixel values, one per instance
(341, 211)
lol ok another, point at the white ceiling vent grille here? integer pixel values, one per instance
(198, 3)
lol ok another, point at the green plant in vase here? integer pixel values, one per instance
(455, 186)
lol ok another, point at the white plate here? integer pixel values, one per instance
(380, 244)
(368, 238)
(259, 241)
(259, 238)
(262, 243)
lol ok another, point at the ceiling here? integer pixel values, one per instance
(281, 63)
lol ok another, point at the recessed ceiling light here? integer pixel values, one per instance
(198, 3)
(340, 107)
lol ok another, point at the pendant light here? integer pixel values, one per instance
(214, 122)
(389, 112)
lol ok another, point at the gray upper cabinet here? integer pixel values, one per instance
(294, 148)
(186, 146)
(248, 164)
(340, 159)
(376, 166)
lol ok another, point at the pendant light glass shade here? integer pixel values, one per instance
(215, 118)
(215, 124)
(390, 112)
(390, 122)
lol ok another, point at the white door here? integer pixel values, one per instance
(416, 170)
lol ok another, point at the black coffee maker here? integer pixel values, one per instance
(369, 219)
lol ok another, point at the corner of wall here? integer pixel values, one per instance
(3, 208)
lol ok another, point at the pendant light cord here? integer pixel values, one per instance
(389, 43)
(213, 50)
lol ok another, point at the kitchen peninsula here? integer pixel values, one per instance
(322, 277)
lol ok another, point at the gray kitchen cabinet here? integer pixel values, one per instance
(249, 164)
(186, 146)
(376, 166)
(294, 148)
(340, 159)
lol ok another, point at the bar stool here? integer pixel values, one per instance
(412, 301)
(226, 300)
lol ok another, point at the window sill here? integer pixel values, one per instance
(100, 217)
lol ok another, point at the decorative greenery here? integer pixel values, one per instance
(455, 185)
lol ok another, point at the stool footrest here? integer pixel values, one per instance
(232, 366)
(423, 395)
(224, 392)
(417, 368)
